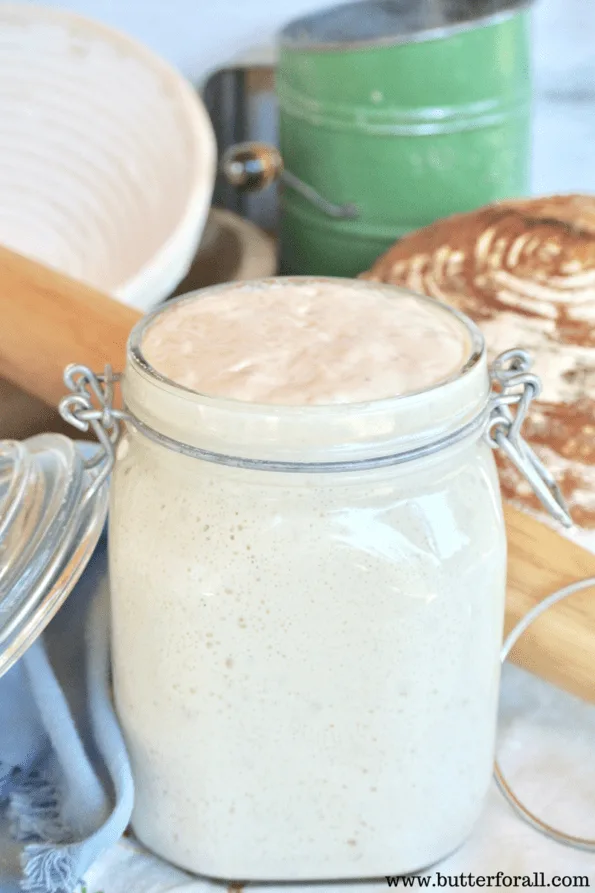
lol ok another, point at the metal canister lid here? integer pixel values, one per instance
(358, 25)
(51, 517)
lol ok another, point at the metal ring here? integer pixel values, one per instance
(475, 426)
(511, 363)
(78, 409)
(580, 843)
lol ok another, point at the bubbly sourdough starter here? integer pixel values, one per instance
(305, 665)
(306, 344)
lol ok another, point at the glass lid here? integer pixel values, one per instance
(51, 517)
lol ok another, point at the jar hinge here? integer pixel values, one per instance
(517, 386)
(90, 405)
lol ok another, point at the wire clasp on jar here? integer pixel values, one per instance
(90, 405)
(517, 387)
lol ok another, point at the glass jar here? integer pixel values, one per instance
(307, 608)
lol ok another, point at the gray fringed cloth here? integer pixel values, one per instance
(65, 780)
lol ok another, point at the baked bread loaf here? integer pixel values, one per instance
(524, 270)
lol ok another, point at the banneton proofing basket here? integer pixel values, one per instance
(107, 155)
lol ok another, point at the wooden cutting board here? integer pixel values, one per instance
(49, 321)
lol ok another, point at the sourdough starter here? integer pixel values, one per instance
(306, 662)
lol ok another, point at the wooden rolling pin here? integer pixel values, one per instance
(49, 321)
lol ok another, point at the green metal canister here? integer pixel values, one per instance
(392, 114)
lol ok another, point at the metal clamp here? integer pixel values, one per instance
(91, 405)
(253, 166)
(510, 373)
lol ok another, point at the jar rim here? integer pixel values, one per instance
(476, 354)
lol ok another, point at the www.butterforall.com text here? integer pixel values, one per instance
(536, 879)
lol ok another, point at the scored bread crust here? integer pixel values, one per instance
(524, 270)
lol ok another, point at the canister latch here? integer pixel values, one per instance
(251, 167)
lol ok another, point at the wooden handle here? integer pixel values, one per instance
(560, 645)
(49, 321)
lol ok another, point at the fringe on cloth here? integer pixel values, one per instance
(56, 857)
(34, 810)
(47, 868)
